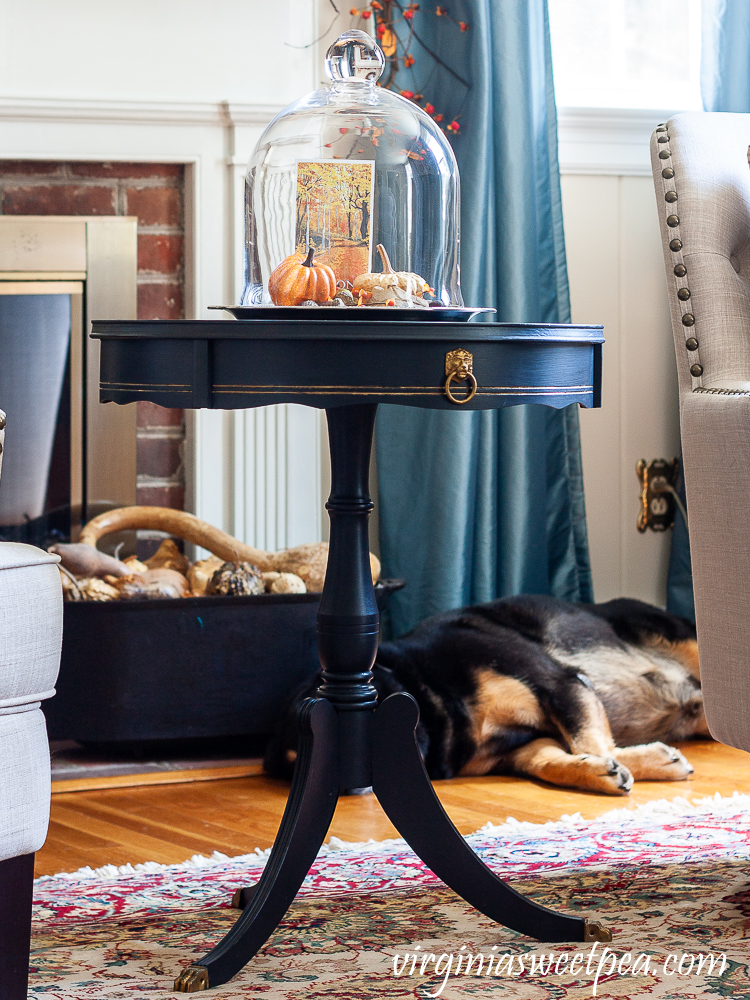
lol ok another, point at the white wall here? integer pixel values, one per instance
(616, 273)
(158, 50)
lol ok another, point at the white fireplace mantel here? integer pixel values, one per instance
(256, 474)
(98, 112)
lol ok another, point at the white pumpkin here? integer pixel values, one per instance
(389, 287)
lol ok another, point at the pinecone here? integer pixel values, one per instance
(235, 579)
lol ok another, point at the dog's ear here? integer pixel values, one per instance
(686, 653)
(683, 651)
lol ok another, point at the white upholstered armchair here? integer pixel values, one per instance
(30, 642)
(702, 179)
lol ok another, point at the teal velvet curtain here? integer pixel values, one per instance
(725, 86)
(480, 505)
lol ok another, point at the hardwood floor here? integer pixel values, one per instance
(169, 823)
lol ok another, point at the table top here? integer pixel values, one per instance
(231, 364)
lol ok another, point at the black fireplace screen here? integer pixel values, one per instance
(35, 392)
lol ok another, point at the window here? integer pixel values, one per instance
(626, 53)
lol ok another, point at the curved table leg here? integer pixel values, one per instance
(308, 815)
(403, 788)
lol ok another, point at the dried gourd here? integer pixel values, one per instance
(236, 579)
(70, 588)
(309, 563)
(168, 556)
(154, 584)
(299, 279)
(306, 561)
(135, 565)
(94, 589)
(285, 583)
(201, 572)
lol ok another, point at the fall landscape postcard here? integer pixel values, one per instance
(333, 215)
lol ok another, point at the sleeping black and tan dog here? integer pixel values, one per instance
(587, 696)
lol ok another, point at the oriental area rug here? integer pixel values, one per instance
(671, 880)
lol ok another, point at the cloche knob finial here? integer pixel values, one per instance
(355, 57)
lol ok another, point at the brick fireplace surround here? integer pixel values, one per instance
(155, 193)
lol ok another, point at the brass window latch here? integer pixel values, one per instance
(459, 367)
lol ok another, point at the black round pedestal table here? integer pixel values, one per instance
(346, 740)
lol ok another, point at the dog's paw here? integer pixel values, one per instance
(602, 774)
(655, 762)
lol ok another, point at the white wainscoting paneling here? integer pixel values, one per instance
(277, 463)
(616, 273)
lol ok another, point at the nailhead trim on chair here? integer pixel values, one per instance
(722, 392)
(680, 270)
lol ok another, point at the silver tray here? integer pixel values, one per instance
(358, 314)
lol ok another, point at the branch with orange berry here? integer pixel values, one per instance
(388, 15)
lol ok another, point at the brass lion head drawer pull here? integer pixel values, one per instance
(459, 366)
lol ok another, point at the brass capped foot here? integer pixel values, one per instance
(594, 931)
(194, 979)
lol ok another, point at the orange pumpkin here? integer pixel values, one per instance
(298, 279)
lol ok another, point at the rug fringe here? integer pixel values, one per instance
(647, 814)
(656, 811)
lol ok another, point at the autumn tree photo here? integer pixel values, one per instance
(332, 215)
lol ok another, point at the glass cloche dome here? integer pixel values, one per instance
(352, 197)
